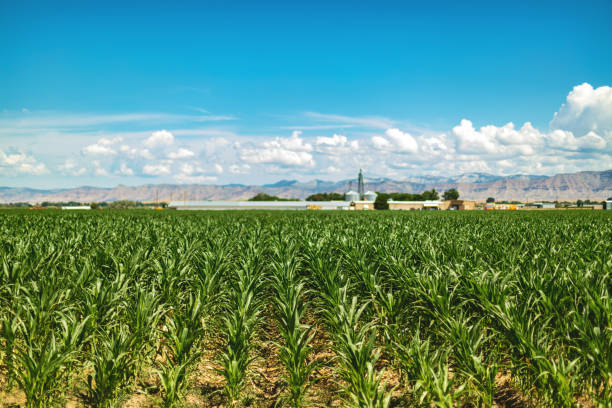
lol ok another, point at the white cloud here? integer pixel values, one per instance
(381, 143)
(99, 171)
(469, 140)
(193, 173)
(70, 167)
(125, 170)
(586, 109)
(403, 141)
(565, 140)
(187, 168)
(156, 169)
(146, 154)
(335, 140)
(103, 147)
(336, 144)
(434, 145)
(40, 120)
(181, 153)
(579, 138)
(239, 169)
(109, 142)
(294, 143)
(397, 141)
(276, 155)
(159, 138)
(99, 150)
(69, 164)
(187, 179)
(21, 163)
(292, 151)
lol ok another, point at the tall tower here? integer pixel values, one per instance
(360, 186)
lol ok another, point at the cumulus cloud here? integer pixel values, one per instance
(381, 143)
(578, 137)
(294, 143)
(277, 155)
(70, 167)
(99, 150)
(403, 141)
(156, 169)
(181, 153)
(469, 140)
(337, 144)
(125, 170)
(292, 151)
(586, 109)
(159, 138)
(397, 140)
(193, 173)
(103, 147)
(239, 169)
(565, 140)
(21, 163)
(335, 140)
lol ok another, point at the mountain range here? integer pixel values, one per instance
(593, 185)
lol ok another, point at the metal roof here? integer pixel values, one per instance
(257, 204)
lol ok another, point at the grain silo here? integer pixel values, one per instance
(351, 196)
(370, 196)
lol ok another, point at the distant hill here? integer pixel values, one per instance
(594, 185)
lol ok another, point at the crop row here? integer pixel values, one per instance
(361, 310)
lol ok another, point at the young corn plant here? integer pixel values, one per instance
(240, 323)
(427, 374)
(357, 354)
(9, 326)
(182, 336)
(143, 319)
(41, 366)
(296, 347)
(114, 364)
(474, 361)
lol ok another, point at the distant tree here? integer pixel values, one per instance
(325, 197)
(451, 194)
(381, 201)
(490, 200)
(579, 203)
(430, 195)
(94, 206)
(266, 197)
(124, 204)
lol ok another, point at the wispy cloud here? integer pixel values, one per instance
(46, 120)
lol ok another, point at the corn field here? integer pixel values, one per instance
(305, 309)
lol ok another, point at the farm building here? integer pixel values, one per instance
(547, 206)
(266, 205)
(415, 205)
(362, 205)
(459, 205)
(495, 206)
(76, 207)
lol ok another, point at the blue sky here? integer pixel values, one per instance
(217, 92)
